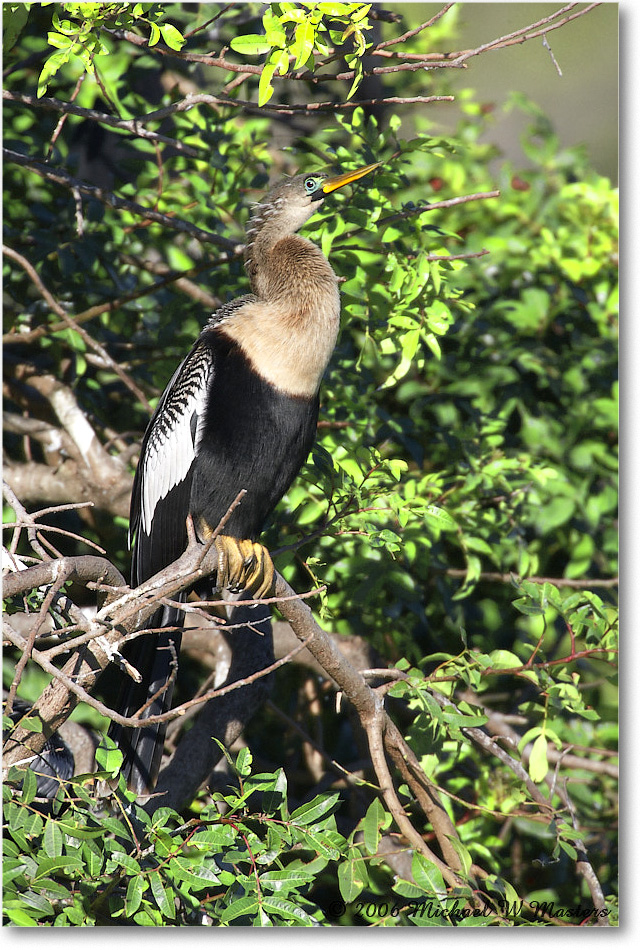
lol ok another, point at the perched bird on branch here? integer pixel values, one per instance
(240, 413)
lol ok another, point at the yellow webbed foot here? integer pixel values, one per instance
(244, 565)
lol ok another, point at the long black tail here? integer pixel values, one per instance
(155, 656)
(248, 634)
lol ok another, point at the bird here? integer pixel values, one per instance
(239, 414)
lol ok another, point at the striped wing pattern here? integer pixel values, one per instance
(170, 443)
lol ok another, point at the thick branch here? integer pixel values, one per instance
(81, 569)
(36, 482)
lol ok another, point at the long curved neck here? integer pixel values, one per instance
(290, 269)
(290, 328)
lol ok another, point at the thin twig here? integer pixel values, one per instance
(526, 32)
(27, 651)
(410, 33)
(63, 118)
(25, 518)
(31, 335)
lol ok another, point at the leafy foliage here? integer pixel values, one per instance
(297, 30)
(240, 867)
(459, 504)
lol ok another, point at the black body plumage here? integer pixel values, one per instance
(257, 438)
(239, 413)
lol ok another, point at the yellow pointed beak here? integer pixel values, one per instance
(331, 184)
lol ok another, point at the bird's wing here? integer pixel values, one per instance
(160, 497)
(161, 492)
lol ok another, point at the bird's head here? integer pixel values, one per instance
(289, 204)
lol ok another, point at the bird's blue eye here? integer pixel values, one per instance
(310, 185)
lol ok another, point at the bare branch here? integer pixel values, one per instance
(37, 482)
(434, 205)
(366, 702)
(526, 32)
(24, 516)
(410, 33)
(82, 569)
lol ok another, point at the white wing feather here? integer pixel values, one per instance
(173, 436)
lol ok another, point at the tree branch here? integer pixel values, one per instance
(580, 583)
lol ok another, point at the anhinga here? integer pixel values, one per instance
(239, 413)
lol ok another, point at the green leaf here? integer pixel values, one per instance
(303, 45)
(352, 876)
(19, 916)
(162, 896)
(433, 344)
(60, 41)
(243, 764)
(538, 761)
(109, 759)
(285, 880)
(77, 831)
(504, 660)
(441, 516)
(463, 854)
(51, 67)
(357, 65)
(250, 45)
(172, 37)
(287, 910)
(310, 812)
(64, 862)
(266, 89)
(53, 839)
(29, 786)
(569, 849)
(427, 875)
(463, 722)
(372, 823)
(14, 17)
(244, 906)
(134, 895)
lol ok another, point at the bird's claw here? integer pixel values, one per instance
(244, 565)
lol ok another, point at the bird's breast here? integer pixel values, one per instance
(288, 342)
